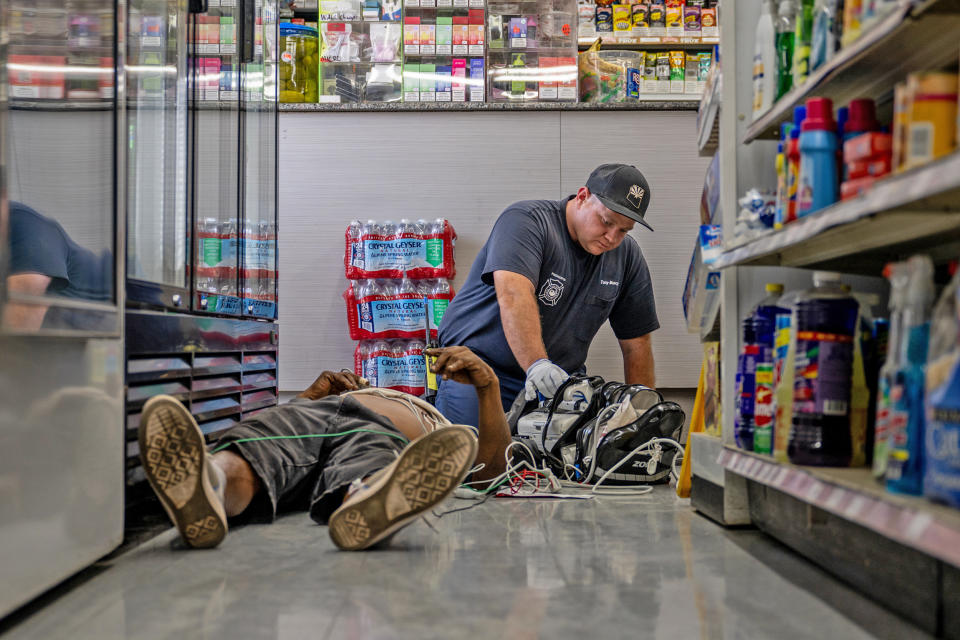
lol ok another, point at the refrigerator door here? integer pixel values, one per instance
(61, 384)
(259, 84)
(157, 225)
(215, 176)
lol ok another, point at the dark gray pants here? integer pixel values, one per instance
(312, 472)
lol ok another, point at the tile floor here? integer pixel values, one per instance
(613, 567)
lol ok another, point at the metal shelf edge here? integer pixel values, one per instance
(892, 194)
(911, 521)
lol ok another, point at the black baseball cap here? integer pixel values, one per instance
(622, 189)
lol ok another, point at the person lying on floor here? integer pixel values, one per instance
(365, 461)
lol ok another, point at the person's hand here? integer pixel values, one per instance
(330, 383)
(545, 377)
(462, 365)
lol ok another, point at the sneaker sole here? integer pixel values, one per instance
(425, 474)
(173, 454)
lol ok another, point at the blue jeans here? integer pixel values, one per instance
(458, 402)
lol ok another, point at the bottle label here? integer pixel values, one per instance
(379, 316)
(942, 451)
(804, 186)
(397, 253)
(781, 346)
(823, 373)
(757, 82)
(763, 409)
(433, 252)
(210, 251)
(406, 372)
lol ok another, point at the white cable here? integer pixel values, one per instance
(643, 447)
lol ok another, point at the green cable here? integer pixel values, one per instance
(311, 435)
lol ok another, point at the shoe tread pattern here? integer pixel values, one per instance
(427, 472)
(172, 452)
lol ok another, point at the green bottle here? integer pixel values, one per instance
(785, 29)
(804, 39)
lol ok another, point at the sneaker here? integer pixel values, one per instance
(179, 469)
(427, 471)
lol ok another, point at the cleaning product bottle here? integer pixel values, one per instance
(785, 37)
(907, 419)
(818, 186)
(801, 51)
(750, 354)
(852, 12)
(786, 347)
(793, 163)
(941, 480)
(780, 212)
(826, 329)
(862, 119)
(764, 406)
(896, 273)
(764, 61)
(825, 33)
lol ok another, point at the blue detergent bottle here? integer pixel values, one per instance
(941, 480)
(825, 330)
(907, 419)
(818, 185)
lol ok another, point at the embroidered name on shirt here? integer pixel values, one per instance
(610, 282)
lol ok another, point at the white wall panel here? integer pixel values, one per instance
(468, 167)
(661, 145)
(335, 167)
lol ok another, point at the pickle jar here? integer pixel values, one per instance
(299, 63)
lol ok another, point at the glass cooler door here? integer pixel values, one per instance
(215, 107)
(158, 230)
(258, 269)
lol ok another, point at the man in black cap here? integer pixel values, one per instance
(550, 274)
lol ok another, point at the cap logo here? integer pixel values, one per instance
(635, 196)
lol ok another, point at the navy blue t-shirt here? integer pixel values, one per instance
(40, 245)
(576, 291)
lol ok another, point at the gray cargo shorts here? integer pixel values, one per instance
(306, 464)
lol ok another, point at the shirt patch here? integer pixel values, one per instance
(551, 292)
(612, 283)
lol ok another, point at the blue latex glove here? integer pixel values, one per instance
(544, 377)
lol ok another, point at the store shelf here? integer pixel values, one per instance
(676, 102)
(892, 219)
(854, 495)
(633, 42)
(708, 121)
(914, 37)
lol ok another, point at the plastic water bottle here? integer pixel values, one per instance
(406, 287)
(441, 287)
(354, 235)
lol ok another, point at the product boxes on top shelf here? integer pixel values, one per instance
(532, 51)
(629, 23)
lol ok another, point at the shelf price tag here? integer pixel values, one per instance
(444, 50)
(477, 4)
(411, 49)
(475, 50)
(213, 4)
(411, 3)
(444, 3)
(228, 3)
(461, 3)
(231, 96)
(428, 50)
(428, 3)
(151, 42)
(518, 43)
(228, 48)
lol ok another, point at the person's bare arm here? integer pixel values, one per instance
(464, 366)
(17, 315)
(330, 383)
(638, 361)
(520, 316)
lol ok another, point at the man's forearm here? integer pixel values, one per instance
(638, 365)
(494, 434)
(520, 318)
